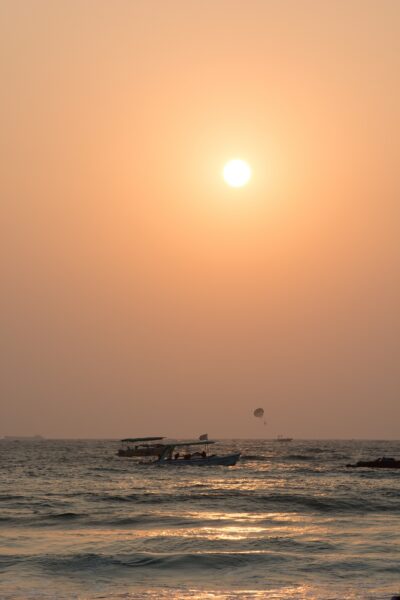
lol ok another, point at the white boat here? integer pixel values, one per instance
(177, 459)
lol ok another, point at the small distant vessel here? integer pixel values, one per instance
(280, 438)
(168, 457)
(142, 446)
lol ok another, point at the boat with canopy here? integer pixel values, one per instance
(180, 454)
(141, 446)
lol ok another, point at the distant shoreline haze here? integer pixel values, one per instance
(266, 439)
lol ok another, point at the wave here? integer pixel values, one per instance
(108, 469)
(8, 497)
(236, 500)
(182, 561)
(329, 504)
(254, 457)
(10, 560)
(119, 497)
(299, 457)
(4, 519)
(67, 519)
(186, 563)
(65, 516)
(66, 564)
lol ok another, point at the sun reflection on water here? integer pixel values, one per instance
(207, 526)
(296, 592)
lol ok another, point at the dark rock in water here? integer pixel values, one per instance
(381, 463)
(396, 597)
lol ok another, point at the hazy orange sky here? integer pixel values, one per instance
(140, 294)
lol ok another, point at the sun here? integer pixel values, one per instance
(236, 172)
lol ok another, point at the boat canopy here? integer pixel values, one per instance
(189, 443)
(142, 439)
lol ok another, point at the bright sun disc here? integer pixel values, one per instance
(237, 173)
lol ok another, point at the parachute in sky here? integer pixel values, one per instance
(259, 413)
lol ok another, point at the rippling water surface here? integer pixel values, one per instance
(289, 521)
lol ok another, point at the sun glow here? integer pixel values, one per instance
(236, 172)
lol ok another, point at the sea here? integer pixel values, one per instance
(290, 520)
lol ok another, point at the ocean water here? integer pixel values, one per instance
(289, 521)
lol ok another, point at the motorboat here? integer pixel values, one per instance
(139, 447)
(179, 454)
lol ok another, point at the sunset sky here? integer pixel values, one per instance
(140, 294)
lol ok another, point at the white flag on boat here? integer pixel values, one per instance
(204, 436)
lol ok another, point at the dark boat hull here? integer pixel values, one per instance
(229, 460)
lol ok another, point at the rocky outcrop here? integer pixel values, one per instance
(379, 463)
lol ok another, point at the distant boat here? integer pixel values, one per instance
(280, 438)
